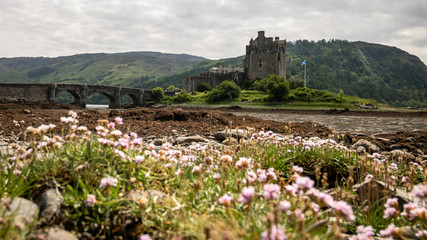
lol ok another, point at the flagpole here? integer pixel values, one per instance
(305, 74)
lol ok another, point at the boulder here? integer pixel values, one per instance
(373, 190)
(234, 133)
(55, 233)
(401, 154)
(190, 139)
(49, 202)
(370, 147)
(23, 210)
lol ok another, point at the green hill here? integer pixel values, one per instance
(366, 70)
(120, 69)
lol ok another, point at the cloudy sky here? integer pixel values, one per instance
(211, 29)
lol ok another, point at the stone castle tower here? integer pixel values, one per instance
(265, 56)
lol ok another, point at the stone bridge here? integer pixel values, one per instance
(47, 92)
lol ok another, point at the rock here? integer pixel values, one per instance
(361, 135)
(370, 147)
(27, 111)
(361, 150)
(24, 210)
(235, 133)
(409, 232)
(366, 106)
(399, 153)
(229, 141)
(49, 202)
(181, 140)
(384, 140)
(22, 136)
(373, 190)
(59, 234)
(158, 142)
(114, 113)
(145, 195)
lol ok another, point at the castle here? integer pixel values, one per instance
(264, 56)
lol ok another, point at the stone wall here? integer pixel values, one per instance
(190, 83)
(39, 92)
(27, 92)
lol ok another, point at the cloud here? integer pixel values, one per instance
(213, 29)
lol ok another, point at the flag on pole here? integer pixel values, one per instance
(303, 62)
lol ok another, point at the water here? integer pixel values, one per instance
(97, 106)
(349, 123)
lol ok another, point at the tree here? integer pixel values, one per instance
(171, 88)
(276, 87)
(226, 90)
(204, 87)
(157, 94)
(341, 94)
(182, 97)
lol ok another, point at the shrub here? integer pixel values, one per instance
(171, 88)
(276, 87)
(225, 90)
(295, 83)
(157, 94)
(204, 87)
(183, 97)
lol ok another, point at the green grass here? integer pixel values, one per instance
(192, 183)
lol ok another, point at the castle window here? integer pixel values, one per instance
(260, 63)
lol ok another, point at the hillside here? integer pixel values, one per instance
(367, 70)
(120, 69)
(386, 74)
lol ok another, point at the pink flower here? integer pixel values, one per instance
(179, 172)
(226, 200)
(72, 114)
(420, 191)
(243, 163)
(226, 159)
(247, 195)
(369, 177)
(392, 203)
(145, 237)
(118, 120)
(390, 212)
(271, 174)
(363, 233)
(271, 191)
(297, 169)
(388, 232)
(139, 159)
(304, 183)
(284, 206)
(197, 169)
(90, 200)
(217, 176)
(111, 125)
(107, 182)
(344, 210)
(116, 133)
(276, 233)
(291, 189)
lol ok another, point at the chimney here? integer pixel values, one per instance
(276, 39)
